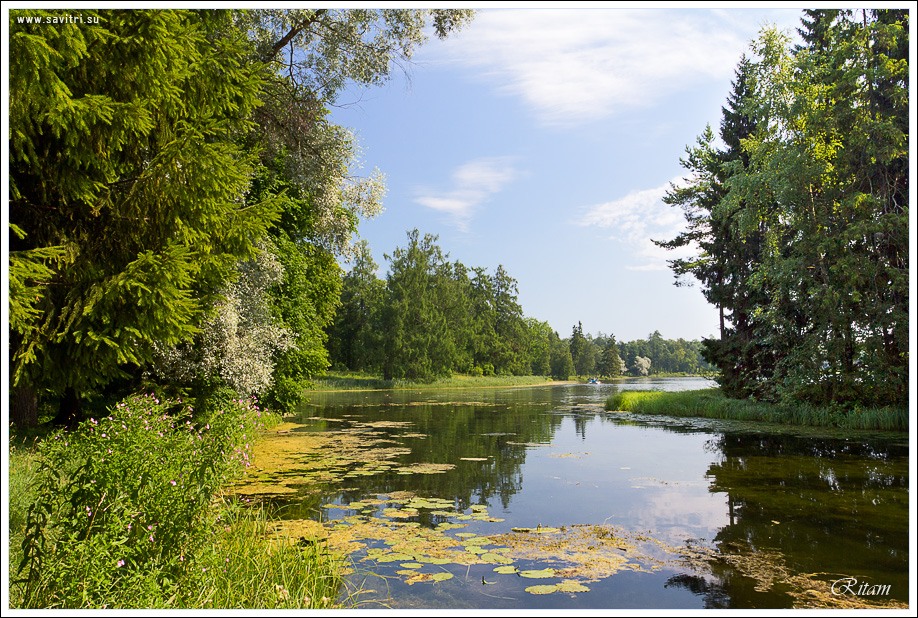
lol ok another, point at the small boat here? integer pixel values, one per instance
(593, 381)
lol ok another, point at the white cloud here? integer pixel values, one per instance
(637, 218)
(573, 66)
(473, 183)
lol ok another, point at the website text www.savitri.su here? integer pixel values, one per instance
(57, 19)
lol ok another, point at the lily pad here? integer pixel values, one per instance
(495, 558)
(411, 565)
(505, 570)
(537, 530)
(544, 589)
(394, 558)
(441, 577)
(569, 585)
(426, 468)
(538, 574)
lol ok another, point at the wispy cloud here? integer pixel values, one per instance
(473, 183)
(637, 218)
(573, 66)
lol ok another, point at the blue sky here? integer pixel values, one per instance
(543, 139)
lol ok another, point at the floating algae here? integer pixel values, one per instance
(768, 569)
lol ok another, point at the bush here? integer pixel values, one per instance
(124, 502)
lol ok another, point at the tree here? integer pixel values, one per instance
(237, 345)
(562, 366)
(641, 366)
(354, 335)
(509, 327)
(417, 343)
(610, 363)
(538, 340)
(583, 353)
(124, 154)
(801, 219)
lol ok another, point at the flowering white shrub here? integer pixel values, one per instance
(641, 365)
(238, 344)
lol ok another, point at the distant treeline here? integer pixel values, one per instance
(431, 317)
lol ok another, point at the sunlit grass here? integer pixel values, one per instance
(244, 567)
(124, 512)
(711, 403)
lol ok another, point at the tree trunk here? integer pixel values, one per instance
(23, 406)
(68, 414)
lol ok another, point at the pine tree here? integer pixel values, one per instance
(124, 153)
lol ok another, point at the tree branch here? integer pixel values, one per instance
(295, 30)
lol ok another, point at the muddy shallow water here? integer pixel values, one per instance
(537, 498)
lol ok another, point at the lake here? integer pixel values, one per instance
(537, 498)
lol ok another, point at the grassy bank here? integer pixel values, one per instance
(711, 403)
(127, 511)
(340, 381)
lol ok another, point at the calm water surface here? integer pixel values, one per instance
(814, 502)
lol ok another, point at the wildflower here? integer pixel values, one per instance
(172, 483)
(151, 538)
(121, 563)
(181, 558)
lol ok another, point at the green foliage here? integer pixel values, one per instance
(561, 363)
(432, 317)
(354, 340)
(123, 504)
(305, 302)
(124, 150)
(236, 346)
(802, 219)
(245, 569)
(418, 344)
(712, 403)
(610, 364)
(583, 352)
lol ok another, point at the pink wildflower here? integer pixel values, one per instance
(121, 563)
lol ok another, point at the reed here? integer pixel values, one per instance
(711, 403)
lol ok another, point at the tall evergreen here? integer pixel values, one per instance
(125, 153)
(801, 219)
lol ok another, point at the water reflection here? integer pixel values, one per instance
(552, 456)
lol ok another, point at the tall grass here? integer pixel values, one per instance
(711, 403)
(124, 512)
